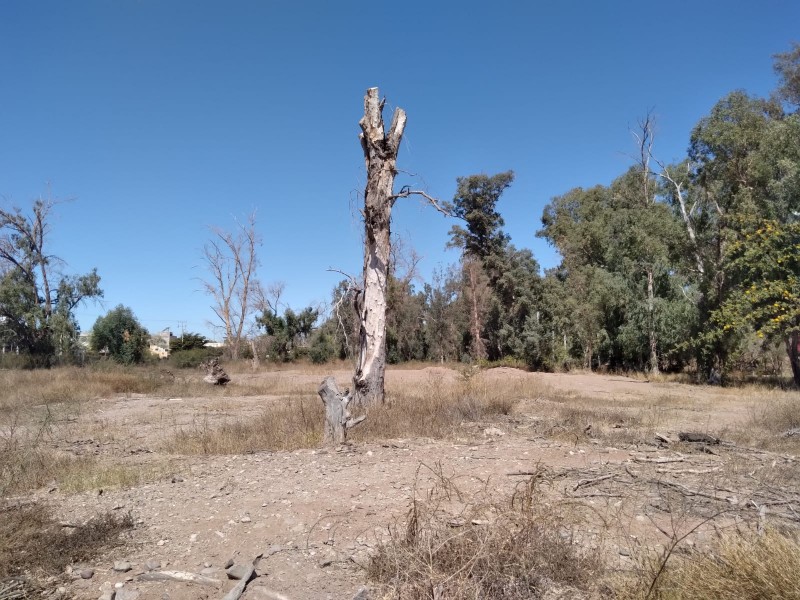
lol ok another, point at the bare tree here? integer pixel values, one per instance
(231, 260)
(380, 153)
(644, 139)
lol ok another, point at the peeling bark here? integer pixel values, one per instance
(380, 153)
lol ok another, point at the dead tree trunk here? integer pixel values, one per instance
(215, 374)
(380, 153)
(337, 417)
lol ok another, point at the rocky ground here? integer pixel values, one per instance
(313, 516)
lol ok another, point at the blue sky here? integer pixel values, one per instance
(160, 118)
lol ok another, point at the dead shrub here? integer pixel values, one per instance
(517, 548)
(33, 543)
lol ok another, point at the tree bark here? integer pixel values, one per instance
(380, 153)
(793, 350)
(651, 325)
(337, 417)
(478, 347)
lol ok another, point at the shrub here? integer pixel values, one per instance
(512, 548)
(191, 359)
(32, 540)
(321, 350)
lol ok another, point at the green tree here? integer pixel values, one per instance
(475, 202)
(120, 334)
(787, 67)
(765, 259)
(37, 302)
(289, 332)
(618, 247)
(187, 341)
(746, 154)
(483, 245)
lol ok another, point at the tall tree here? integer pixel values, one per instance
(36, 300)
(733, 184)
(482, 243)
(787, 67)
(380, 154)
(231, 258)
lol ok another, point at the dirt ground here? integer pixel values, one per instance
(316, 514)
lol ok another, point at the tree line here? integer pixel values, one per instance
(692, 264)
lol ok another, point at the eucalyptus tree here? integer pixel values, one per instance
(745, 168)
(482, 244)
(37, 301)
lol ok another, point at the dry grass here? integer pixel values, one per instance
(517, 548)
(286, 424)
(32, 542)
(740, 567)
(28, 466)
(773, 415)
(24, 390)
(434, 410)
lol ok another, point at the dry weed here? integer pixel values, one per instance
(33, 543)
(514, 548)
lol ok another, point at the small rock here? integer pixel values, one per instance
(122, 566)
(624, 552)
(229, 563)
(208, 571)
(87, 573)
(274, 549)
(237, 571)
(126, 594)
(177, 479)
(152, 564)
(207, 565)
(107, 591)
(245, 519)
(326, 562)
(361, 594)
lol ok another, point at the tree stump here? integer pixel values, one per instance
(337, 417)
(215, 375)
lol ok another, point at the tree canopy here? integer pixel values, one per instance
(120, 335)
